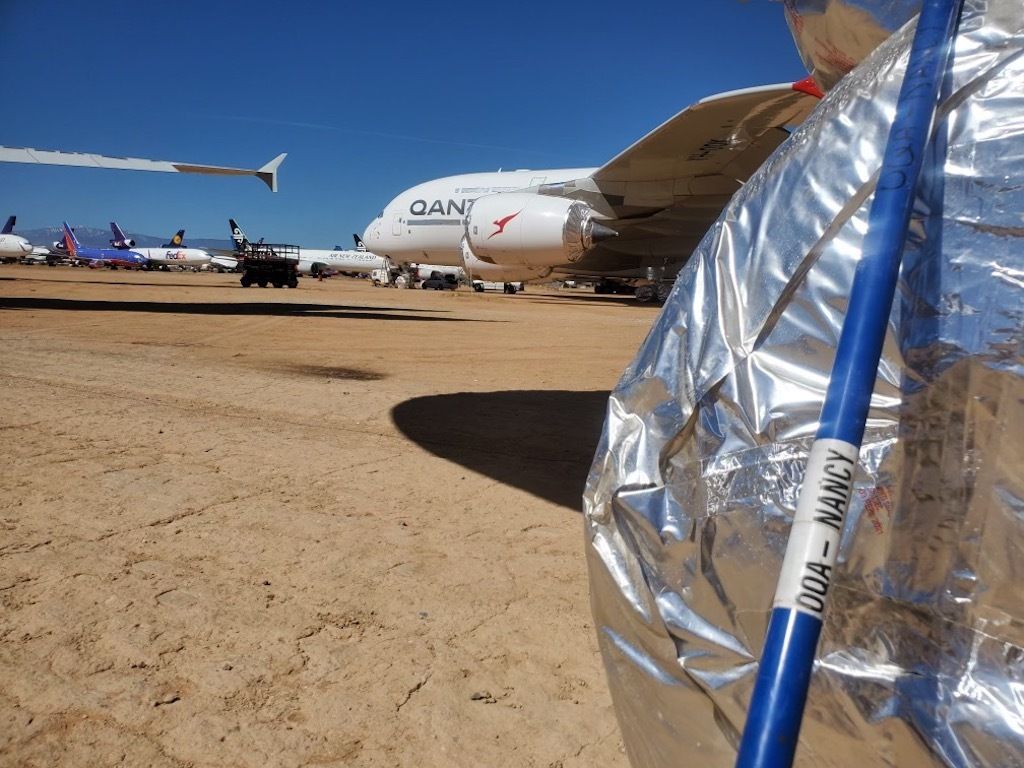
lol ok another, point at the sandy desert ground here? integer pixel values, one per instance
(335, 525)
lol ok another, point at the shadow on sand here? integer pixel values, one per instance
(540, 441)
(261, 308)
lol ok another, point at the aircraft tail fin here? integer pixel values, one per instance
(9, 226)
(70, 241)
(176, 241)
(241, 242)
(268, 172)
(360, 245)
(120, 240)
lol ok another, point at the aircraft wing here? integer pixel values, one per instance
(266, 173)
(665, 191)
(711, 147)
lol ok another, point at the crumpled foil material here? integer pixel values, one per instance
(833, 36)
(689, 501)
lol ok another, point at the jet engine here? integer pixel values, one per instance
(480, 269)
(524, 229)
(129, 243)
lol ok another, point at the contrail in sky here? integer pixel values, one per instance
(380, 134)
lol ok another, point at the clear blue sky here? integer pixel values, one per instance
(366, 98)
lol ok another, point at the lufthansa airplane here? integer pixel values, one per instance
(636, 219)
(174, 253)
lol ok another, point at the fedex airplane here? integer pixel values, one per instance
(102, 257)
(170, 254)
(313, 261)
(635, 220)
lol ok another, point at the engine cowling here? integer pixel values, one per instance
(524, 229)
(498, 273)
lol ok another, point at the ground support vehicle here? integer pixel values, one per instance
(273, 264)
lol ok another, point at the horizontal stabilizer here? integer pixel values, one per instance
(267, 173)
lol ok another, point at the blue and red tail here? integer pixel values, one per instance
(71, 241)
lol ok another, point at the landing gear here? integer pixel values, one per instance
(644, 294)
(509, 288)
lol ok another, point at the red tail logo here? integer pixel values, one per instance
(500, 223)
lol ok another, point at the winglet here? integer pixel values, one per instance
(9, 226)
(268, 173)
(808, 86)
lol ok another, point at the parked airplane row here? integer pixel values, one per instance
(635, 220)
(124, 252)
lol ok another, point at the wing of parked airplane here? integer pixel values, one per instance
(663, 193)
(266, 173)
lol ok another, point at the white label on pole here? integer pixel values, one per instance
(817, 527)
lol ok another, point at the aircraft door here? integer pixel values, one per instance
(396, 224)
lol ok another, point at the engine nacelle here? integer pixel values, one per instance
(60, 245)
(123, 243)
(523, 229)
(498, 273)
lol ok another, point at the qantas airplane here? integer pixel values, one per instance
(101, 257)
(636, 219)
(168, 255)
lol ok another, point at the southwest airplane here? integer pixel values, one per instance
(170, 254)
(101, 257)
(313, 261)
(636, 219)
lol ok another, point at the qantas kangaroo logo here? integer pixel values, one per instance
(501, 223)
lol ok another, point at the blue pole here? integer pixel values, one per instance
(780, 691)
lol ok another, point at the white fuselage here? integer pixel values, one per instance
(14, 247)
(426, 223)
(340, 261)
(172, 256)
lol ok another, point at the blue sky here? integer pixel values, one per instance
(366, 98)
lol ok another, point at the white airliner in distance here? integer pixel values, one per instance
(173, 254)
(313, 261)
(15, 247)
(636, 219)
(266, 173)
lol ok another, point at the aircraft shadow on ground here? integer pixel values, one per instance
(261, 308)
(540, 441)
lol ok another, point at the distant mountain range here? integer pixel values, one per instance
(100, 238)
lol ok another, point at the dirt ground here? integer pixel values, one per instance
(335, 525)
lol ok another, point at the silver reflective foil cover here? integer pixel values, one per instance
(689, 502)
(833, 36)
